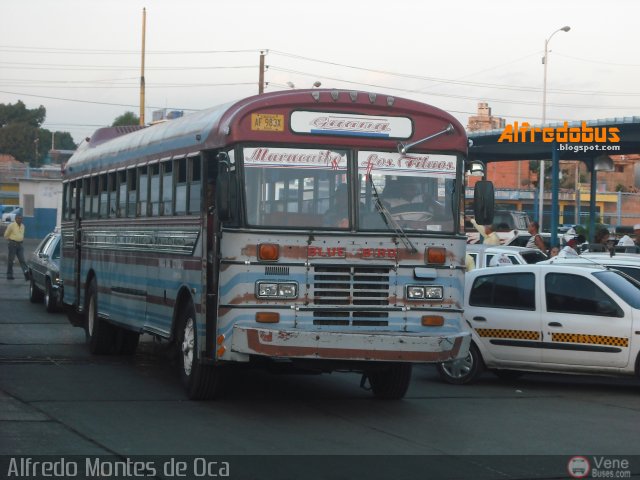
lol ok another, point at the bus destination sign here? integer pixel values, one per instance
(350, 125)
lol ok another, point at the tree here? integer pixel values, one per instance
(19, 131)
(127, 118)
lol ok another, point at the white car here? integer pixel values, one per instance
(549, 318)
(10, 216)
(483, 254)
(628, 263)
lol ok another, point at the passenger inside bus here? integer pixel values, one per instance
(337, 215)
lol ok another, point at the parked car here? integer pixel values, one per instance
(44, 273)
(10, 215)
(483, 254)
(549, 318)
(625, 262)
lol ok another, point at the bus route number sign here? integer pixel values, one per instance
(267, 122)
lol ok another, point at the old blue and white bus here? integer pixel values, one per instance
(314, 228)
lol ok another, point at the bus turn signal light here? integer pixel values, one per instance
(432, 321)
(268, 251)
(436, 255)
(267, 317)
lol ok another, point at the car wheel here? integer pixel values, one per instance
(50, 300)
(201, 382)
(101, 335)
(508, 375)
(35, 294)
(391, 383)
(464, 370)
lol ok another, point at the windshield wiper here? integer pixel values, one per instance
(389, 220)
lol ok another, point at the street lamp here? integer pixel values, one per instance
(544, 119)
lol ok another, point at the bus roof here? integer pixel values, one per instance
(234, 122)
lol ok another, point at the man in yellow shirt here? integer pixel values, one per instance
(15, 235)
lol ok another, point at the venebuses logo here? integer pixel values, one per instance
(516, 133)
(578, 467)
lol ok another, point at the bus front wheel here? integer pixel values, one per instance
(202, 382)
(390, 383)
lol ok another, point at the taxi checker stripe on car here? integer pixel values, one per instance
(504, 333)
(589, 339)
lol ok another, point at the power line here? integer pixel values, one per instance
(463, 97)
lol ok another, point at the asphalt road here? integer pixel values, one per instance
(56, 399)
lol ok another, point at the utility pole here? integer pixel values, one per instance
(144, 26)
(261, 74)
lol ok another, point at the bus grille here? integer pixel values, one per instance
(350, 286)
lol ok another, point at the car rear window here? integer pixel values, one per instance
(626, 289)
(534, 256)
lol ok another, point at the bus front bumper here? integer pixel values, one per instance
(379, 346)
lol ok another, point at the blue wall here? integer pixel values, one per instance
(43, 221)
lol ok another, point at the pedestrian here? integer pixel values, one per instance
(489, 236)
(535, 241)
(15, 235)
(553, 251)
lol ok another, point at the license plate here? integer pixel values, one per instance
(267, 122)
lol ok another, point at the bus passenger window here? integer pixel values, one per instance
(132, 184)
(122, 193)
(95, 198)
(113, 195)
(167, 189)
(154, 197)
(194, 185)
(86, 198)
(181, 187)
(143, 191)
(104, 194)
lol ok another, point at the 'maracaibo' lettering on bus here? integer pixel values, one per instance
(280, 156)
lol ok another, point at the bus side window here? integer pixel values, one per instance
(132, 190)
(95, 198)
(167, 188)
(154, 191)
(195, 182)
(65, 201)
(181, 186)
(85, 199)
(104, 196)
(122, 194)
(113, 195)
(143, 191)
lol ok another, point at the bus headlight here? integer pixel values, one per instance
(276, 290)
(424, 292)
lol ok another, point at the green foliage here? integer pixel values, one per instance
(17, 139)
(127, 118)
(18, 113)
(22, 137)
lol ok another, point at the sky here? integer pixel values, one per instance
(81, 59)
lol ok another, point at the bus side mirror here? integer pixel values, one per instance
(483, 202)
(223, 187)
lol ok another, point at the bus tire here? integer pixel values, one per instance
(100, 334)
(35, 294)
(201, 382)
(390, 383)
(50, 300)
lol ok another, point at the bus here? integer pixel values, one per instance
(312, 230)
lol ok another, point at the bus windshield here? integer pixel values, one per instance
(310, 188)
